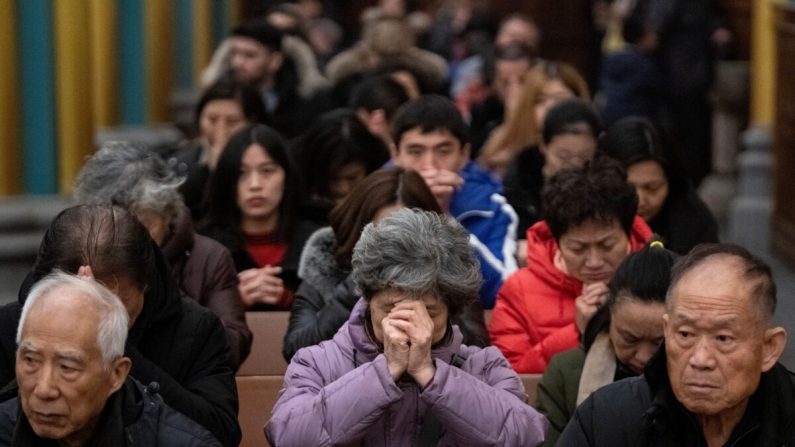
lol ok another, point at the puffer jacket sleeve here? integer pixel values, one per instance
(208, 393)
(511, 331)
(488, 412)
(494, 241)
(313, 412)
(314, 318)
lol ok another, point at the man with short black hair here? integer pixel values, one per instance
(716, 381)
(431, 138)
(255, 57)
(260, 55)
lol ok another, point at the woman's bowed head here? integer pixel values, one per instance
(410, 303)
(397, 373)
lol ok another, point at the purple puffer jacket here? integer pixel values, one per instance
(340, 392)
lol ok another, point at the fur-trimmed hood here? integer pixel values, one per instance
(310, 78)
(318, 267)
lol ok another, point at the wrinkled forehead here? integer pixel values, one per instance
(63, 314)
(717, 281)
(392, 297)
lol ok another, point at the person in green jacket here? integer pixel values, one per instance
(618, 341)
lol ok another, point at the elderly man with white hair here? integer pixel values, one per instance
(72, 374)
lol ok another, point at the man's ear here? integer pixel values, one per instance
(773, 347)
(118, 373)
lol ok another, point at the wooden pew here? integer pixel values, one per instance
(260, 377)
(258, 395)
(266, 358)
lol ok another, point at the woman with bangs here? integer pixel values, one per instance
(252, 212)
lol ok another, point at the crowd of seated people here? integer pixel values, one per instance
(617, 342)
(429, 248)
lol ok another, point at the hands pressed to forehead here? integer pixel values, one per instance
(408, 335)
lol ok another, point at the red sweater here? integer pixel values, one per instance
(265, 250)
(533, 317)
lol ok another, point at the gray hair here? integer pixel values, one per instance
(113, 318)
(418, 253)
(131, 176)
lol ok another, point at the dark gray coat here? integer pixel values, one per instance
(643, 412)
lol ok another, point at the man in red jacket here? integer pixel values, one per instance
(590, 227)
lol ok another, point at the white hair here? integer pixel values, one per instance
(113, 318)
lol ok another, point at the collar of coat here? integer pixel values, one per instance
(769, 418)
(125, 408)
(318, 266)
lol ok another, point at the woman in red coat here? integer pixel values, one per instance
(590, 227)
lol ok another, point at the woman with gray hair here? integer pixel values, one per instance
(397, 373)
(131, 176)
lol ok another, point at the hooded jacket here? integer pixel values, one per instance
(133, 416)
(174, 342)
(644, 412)
(204, 270)
(325, 298)
(340, 392)
(491, 222)
(534, 317)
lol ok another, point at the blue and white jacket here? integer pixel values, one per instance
(482, 209)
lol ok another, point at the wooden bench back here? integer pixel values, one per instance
(266, 358)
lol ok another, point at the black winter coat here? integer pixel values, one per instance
(643, 412)
(133, 416)
(174, 342)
